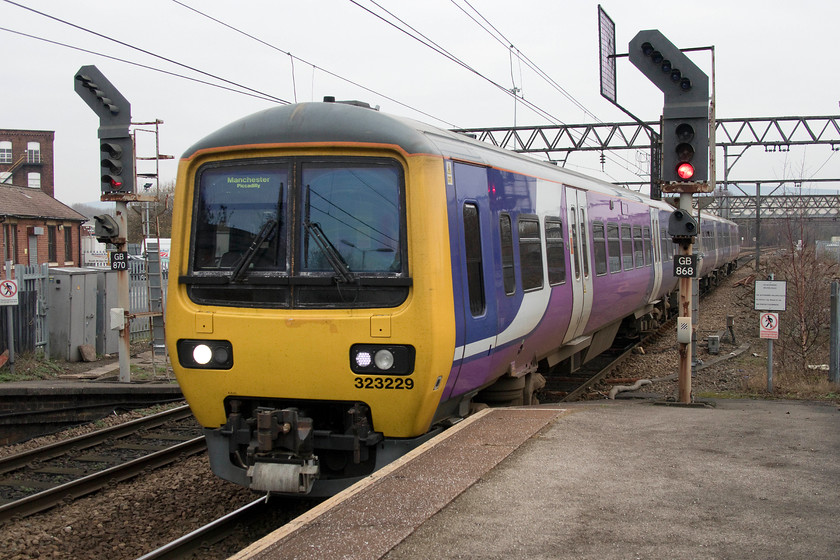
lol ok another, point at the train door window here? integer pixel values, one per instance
(472, 253)
(555, 254)
(530, 253)
(665, 244)
(648, 245)
(614, 247)
(584, 246)
(599, 245)
(626, 247)
(573, 231)
(638, 247)
(506, 233)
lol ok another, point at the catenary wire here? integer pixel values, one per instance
(144, 51)
(314, 66)
(139, 65)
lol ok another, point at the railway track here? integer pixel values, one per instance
(42, 478)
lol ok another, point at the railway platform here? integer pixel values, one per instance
(619, 479)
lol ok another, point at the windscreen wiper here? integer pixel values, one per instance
(265, 233)
(335, 259)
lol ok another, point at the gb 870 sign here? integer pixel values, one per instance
(685, 266)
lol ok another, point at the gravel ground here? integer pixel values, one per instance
(132, 518)
(660, 359)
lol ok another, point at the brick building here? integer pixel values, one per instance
(36, 228)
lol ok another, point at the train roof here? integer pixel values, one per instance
(342, 122)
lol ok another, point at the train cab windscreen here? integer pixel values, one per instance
(299, 233)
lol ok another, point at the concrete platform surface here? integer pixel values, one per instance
(622, 480)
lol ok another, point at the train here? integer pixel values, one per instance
(345, 284)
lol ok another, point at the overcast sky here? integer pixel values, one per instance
(773, 58)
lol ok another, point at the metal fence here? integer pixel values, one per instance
(138, 294)
(31, 317)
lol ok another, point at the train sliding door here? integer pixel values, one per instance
(581, 275)
(473, 271)
(656, 251)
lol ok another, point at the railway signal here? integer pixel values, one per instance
(117, 165)
(685, 115)
(114, 112)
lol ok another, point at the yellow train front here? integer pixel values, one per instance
(310, 337)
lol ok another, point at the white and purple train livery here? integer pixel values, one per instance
(343, 282)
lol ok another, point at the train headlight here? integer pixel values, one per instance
(205, 354)
(382, 359)
(202, 354)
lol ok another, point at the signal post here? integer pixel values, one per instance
(685, 164)
(117, 185)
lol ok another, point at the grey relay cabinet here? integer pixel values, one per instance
(72, 311)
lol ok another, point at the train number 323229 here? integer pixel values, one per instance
(384, 383)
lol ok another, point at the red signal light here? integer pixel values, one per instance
(685, 171)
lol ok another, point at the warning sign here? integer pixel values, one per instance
(8, 292)
(769, 325)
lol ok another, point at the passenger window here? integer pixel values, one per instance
(638, 247)
(614, 246)
(472, 254)
(599, 243)
(626, 247)
(530, 253)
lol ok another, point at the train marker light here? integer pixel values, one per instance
(363, 359)
(205, 354)
(382, 359)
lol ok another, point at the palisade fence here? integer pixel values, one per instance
(31, 316)
(138, 295)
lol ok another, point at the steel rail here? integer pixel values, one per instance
(213, 532)
(74, 489)
(14, 462)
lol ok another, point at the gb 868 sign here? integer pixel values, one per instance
(685, 266)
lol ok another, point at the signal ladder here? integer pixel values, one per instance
(151, 234)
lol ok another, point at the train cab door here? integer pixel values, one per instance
(475, 305)
(581, 273)
(657, 255)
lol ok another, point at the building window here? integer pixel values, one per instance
(51, 244)
(68, 243)
(33, 152)
(530, 253)
(472, 246)
(5, 151)
(33, 180)
(555, 253)
(506, 233)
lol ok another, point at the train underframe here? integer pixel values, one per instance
(314, 448)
